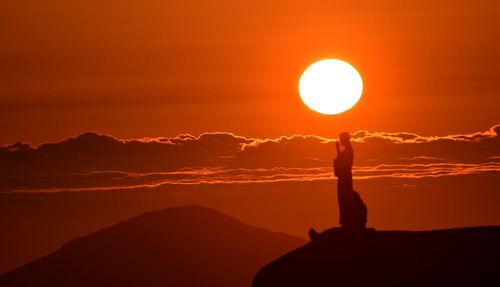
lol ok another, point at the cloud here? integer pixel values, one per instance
(96, 161)
(403, 137)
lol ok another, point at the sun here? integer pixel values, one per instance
(330, 86)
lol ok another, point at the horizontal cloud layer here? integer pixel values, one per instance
(95, 161)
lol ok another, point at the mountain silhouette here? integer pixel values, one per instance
(181, 246)
(454, 257)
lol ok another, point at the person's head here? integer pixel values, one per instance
(345, 139)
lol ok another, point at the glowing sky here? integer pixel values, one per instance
(161, 68)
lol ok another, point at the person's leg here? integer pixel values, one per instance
(348, 183)
(343, 200)
(346, 201)
(340, 200)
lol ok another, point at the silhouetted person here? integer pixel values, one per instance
(353, 212)
(342, 168)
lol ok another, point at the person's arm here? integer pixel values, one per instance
(336, 160)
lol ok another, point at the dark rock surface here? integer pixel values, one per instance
(454, 257)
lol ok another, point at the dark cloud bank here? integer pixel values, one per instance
(94, 161)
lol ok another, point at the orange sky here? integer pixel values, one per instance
(161, 68)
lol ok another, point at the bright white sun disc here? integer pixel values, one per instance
(330, 86)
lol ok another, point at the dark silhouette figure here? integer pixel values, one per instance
(353, 212)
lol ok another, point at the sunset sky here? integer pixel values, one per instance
(109, 109)
(163, 68)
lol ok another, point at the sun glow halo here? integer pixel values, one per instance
(330, 86)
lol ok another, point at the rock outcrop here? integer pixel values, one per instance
(455, 257)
